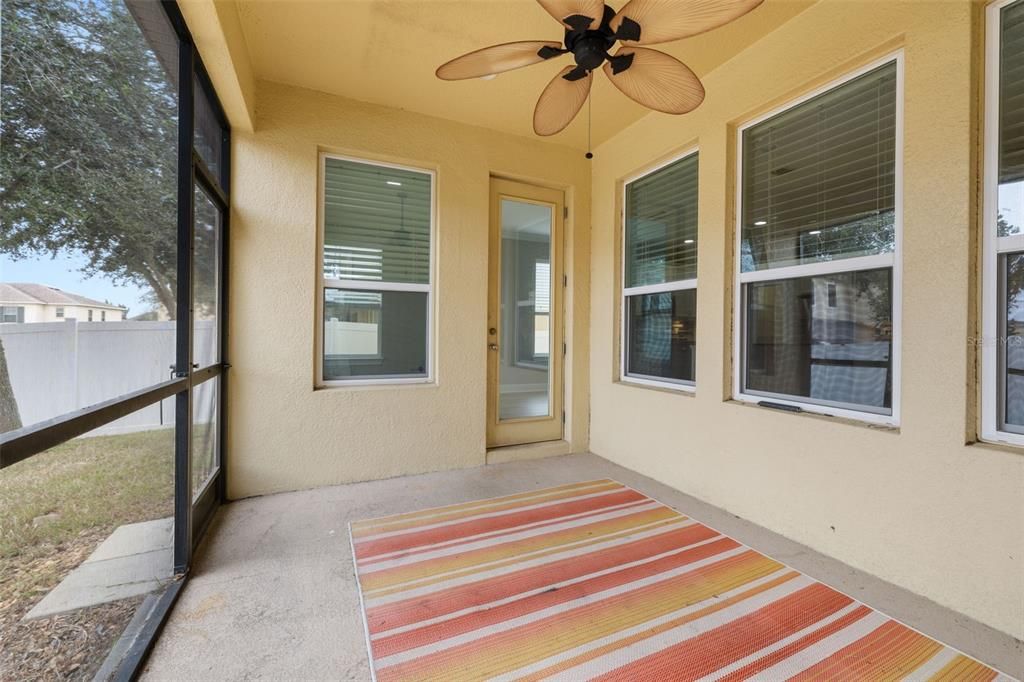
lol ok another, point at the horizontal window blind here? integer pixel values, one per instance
(661, 225)
(542, 287)
(1011, 94)
(819, 179)
(376, 223)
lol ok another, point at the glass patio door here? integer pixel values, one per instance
(524, 334)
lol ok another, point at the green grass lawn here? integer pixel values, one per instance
(88, 487)
(55, 509)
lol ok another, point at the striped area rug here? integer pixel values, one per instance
(597, 581)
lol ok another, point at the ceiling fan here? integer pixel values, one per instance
(652, 78)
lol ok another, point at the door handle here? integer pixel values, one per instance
(492, 346)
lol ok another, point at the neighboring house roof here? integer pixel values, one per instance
(19, 293)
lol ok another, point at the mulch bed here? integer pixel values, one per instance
(68, 646)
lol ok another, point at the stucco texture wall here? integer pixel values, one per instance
(915, 506)
(283, 434)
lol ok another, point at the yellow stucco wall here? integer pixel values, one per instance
(218, 36)
(915, 506)
(285, 435)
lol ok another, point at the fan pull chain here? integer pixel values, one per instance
(590, 109)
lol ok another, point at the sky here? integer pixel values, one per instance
(1011, 204)
(65, 273)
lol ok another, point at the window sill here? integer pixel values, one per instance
(878, 422)
(664, 386)
(371, 384)
(1002, 439)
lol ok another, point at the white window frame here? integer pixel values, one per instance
(664, 287)
(324, 283)
(993, 245)
(893, 259)
(15, 308)
(515, 323)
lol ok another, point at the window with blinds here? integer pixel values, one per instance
(817, 260)
(661, 225)
(376, 272)
(660, 276)
(819, 179)
(376, 223)
(1011, 120)
(1003, 359)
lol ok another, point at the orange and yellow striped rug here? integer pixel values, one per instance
(597, 581)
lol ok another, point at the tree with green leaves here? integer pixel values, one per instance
(88, 151)
(89, 139)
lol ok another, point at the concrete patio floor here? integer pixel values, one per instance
(273, 595)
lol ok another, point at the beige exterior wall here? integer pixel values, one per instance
(38, 312)
(918, 505)
(81, 313)
(283, 434)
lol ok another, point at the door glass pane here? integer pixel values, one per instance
(661, 335)
(826, 339)
(205, 280)
(205, 434)
(524, 346)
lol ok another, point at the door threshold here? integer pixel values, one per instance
(513, 453)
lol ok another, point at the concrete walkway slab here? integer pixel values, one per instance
(135, 559)
(135, 538)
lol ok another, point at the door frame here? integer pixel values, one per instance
(526, 430)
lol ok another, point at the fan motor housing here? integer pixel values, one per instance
(591, 49)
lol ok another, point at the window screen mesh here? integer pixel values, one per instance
(376, 223)
(208, 135)
(819, 179)
(661, 225)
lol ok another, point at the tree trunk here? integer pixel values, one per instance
(163, 296)
(9, 417)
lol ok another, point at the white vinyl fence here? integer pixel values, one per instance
(59, 367)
